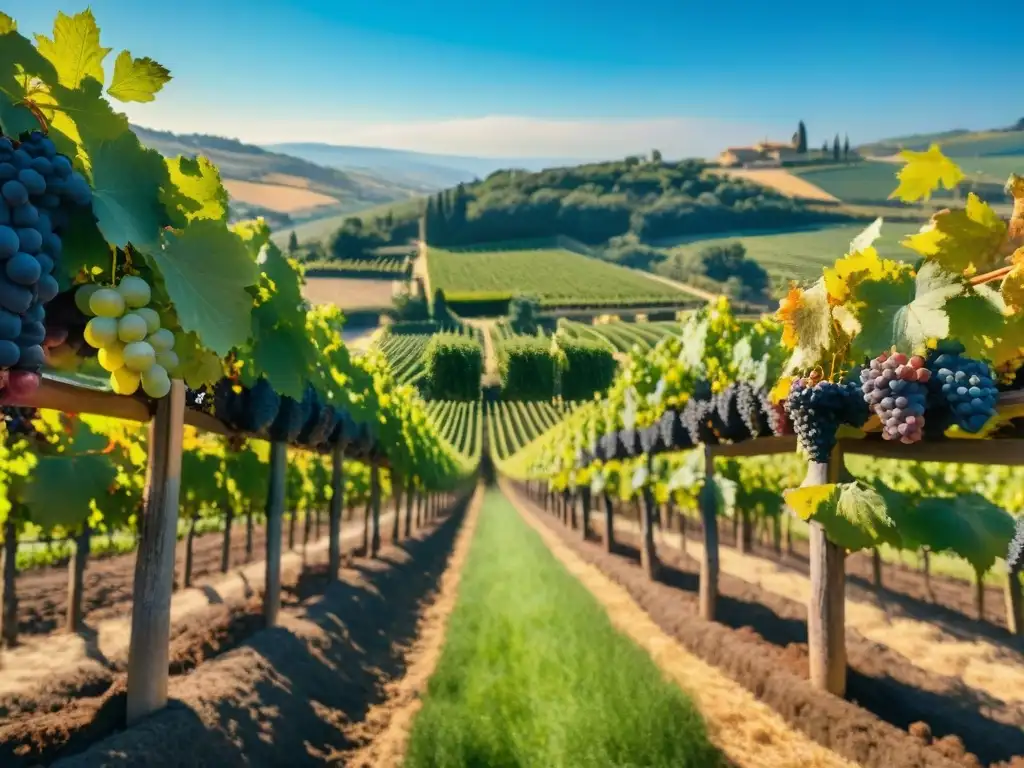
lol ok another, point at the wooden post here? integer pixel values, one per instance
(248, 531)
(76, 578)
(275, 513)
(337, 501)
(609, 523)
(1014, 605)
(826, 613)
(410, 498)
(419, 509)
(648, 555)
(708, 591)
(585, 527)
(292, 519)
(876, 568)
(225, 550)
(190, 537)
(149, 646)
(396, 526)
(375, 504)
(745, 538)
(979, 595)
(9, 611)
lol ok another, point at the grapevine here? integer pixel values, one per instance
(894, 387)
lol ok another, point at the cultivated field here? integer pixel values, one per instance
(785, 182)
(556, 276)
(349, 293)
(801, 255)
(277, 197)
(864, 182)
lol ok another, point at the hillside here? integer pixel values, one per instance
(416, 169)
(283, 188)
(956, 143)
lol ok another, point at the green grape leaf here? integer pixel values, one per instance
(855, 515)
(285, 283)
(968, 525)
(254, 233)
(62, 489)
(84, 250)
(198, 365)
(15, 119)
(905, 312)
(83, 120)
(7, 24)
(976, 320)
(925, 172)
(196, 191)
(282, 353)
(206, 270)
(960, 240)
(18, 57)
(137, 79)
(75, 50)
(126, 192)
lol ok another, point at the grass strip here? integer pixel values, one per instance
(534, 674)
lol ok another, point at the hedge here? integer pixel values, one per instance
(527, 368)
(591, 368)
(453, 365)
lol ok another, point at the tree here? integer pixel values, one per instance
(656, 156)
(801, 138)
(522, 316)
(846, 148)
(824, 147)
(835, 148)
(293, 243)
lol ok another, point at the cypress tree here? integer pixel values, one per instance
(846, 147)
(801, 138)
(835, 148)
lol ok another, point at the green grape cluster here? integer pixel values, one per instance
(126, 330)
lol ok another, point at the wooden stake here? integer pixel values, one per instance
(585, 527)
(708, 590)
(375, 509)
(76, 578)
(149, 648)
(396, 525)
(190, 538)
(275, 514)
(9, 611)
(1014, 605)
(609, 523)
(410, 498)
(337, 502)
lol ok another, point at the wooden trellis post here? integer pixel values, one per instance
(76, 578)
(149, 647)
(708, 590)
(585, 521)
(410, 498)
(609, 522)
(337, 501)
(9, 611)
(275, 514)
(375, 509)
(648, 554)
(826, 612)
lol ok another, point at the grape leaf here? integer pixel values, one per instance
(196, 191)
(867, 238)
(925, 172)
(84, 250)
(7, 24)
(126, 192)
(976, 319)
(812, 321)
(968, 525)
(81, 119)
(18, 56)
(62, 488)
(206, 270)
(855, 515)
(15, 119)
(75, 49)
(963, 240)
(904, 312)
(198, 365)
(1013, 288)
(282, 353)
(137, 79)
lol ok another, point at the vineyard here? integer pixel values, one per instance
(404, 351)
(511, 425)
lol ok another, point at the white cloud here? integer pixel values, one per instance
(504, 136)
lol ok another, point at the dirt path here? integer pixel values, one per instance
(292, 694)
(103, 645)
(749, 732)
(384, 733)
(490, 354)
(986, 667)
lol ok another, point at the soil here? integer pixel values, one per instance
(292, 694)
(43, 592)
(760, 638)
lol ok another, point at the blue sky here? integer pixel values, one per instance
(564, 78)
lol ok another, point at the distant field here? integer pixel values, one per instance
(996, 168)
(801, 255)
(623, 336)
(781, 180)
(558, 277)
(864, 182)
(276, 197)
(959, 145)
(349, 293)
(381, 267)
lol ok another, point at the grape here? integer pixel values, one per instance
(894, 386)
(47, 289)
(82, 296)
(156, 382)
(10, 325)
(45, 263)
(25, 216)
(101, 332)
(748, 403)
(10, 353)
(9, 242)
(106, 302)
(55, 336)
(22, 384)
(14, 192)
(35, 313)
(151, 317)
(167, 359)
(31, 240)
(817, 409)
(697, 421)
(131, 328)
(139, 356)
(111, 357)
(23, 269)
(778, 418)
(135, 291)
(732, 425)
(964, 390)
(32, 332)
(33, 181)
(162, 340)
(124, 381)
(32, 357)
(7, 172)
(14, 298)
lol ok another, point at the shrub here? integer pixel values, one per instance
(453, 367)
(591, 368)
(527, 368)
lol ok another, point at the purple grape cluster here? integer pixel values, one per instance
(817, 408)
(967, 387)
(895, 387)
(37, 189)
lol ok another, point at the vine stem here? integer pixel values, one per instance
(990, 277)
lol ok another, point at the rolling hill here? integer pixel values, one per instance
(284, 189)
(956, 143)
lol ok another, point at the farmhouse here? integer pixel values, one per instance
(761, 155)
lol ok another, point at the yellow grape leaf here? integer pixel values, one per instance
(968, 240)
(137, 79)
(847, 320)
(806, 501)
(837, 277)
(854, 433)
(925, 172)
(1013, 287)
(7, 24)
(781, 389)
(75, 50)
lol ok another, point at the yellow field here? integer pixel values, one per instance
(349, 293)
(784, 182)
(276, 197)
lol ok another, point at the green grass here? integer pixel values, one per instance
(557, 276)
(861, 182)
(533, 675)
(801, 255)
